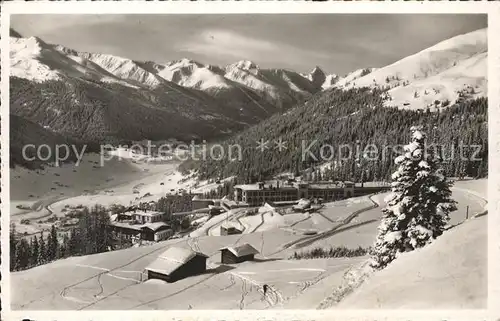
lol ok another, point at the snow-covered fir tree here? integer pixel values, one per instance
(418, 207)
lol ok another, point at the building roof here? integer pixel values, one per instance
(267, 186)
(326, 186)
(199, 198)
(155, 226)
(172, 259)
(229, 202)
(138, 227)
(241, 250)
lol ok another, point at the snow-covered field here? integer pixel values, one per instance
(42, 193)
(79, 284)
(112, 280)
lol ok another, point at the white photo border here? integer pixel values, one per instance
(266, 7)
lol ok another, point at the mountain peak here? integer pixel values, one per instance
(31, 46)
(316, 70)
(317, 77)
(184, 62)
(246, 65)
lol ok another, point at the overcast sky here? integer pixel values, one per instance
(338, 43)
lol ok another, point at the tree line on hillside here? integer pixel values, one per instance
(225, 189)
(90, 236)
(356, 118)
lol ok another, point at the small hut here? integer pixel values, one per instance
(237, 254)
(177, 263)
(229, 228)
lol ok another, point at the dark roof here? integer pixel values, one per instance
(138, 227)
(242, 250)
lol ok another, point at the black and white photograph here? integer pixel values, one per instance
(316, 161)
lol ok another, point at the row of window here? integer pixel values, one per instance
(270, 193)
(148, 219)
(327, 196)
(162, 235)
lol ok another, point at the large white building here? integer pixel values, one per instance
(258, 194)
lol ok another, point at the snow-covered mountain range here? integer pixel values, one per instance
(223, 99)
(32, 58)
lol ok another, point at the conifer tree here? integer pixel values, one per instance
(22, 255)
(73, 243)
(35, 248)
(48, 249)
(42, 252)
(63, 248)
(52, 244)
(419, 205)
(13, 246)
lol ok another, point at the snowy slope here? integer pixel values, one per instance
(330, 80)
(189, 73)
(454, 275)
(454, 269)
(436, 73)
(467, 78)
(349, 79)
(272, 85)
(33, 59)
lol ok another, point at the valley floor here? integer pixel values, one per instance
(38, 195)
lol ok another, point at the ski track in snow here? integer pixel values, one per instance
(247, 287)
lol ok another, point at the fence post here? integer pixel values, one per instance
(467, 213)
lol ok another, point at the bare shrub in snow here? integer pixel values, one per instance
(418, 207)
(339, 251)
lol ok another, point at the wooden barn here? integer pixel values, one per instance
(177, 263)
(237, 254)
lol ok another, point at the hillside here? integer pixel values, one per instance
(436, 77)
(350, 78)
(354, 118)
(14, 33)
(94, 111)
(24, 132)
(460, 254)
